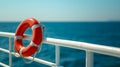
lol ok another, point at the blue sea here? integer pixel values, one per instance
(105, 33)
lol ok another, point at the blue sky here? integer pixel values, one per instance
(60, 10)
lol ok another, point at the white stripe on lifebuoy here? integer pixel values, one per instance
(18, 37)
(21, 51)
(35, 26)
(33, 44)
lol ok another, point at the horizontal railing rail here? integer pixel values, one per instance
(88, 47)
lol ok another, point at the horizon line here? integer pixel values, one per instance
(71, 21)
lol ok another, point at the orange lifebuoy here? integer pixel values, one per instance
(36, 37)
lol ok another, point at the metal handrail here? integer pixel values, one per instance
(88, 47)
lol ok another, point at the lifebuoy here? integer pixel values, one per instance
(36, 37)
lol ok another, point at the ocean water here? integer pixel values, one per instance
(105, 33)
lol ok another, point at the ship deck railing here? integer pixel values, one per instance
(89, 48)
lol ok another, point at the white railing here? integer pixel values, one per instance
(88, 47)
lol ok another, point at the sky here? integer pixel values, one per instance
(60, 10)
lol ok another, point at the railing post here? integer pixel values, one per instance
(89, 59)
(57, 55)
(10, 49)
